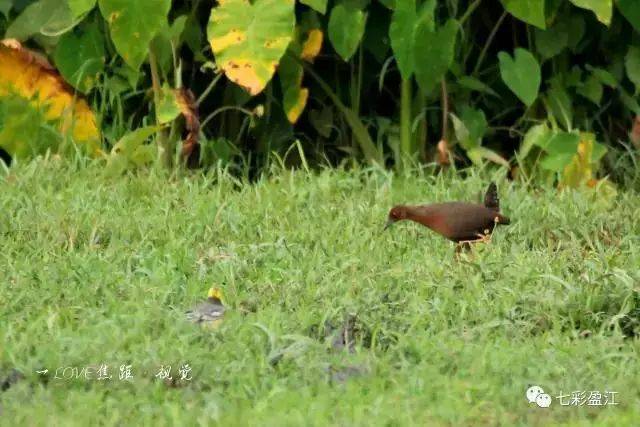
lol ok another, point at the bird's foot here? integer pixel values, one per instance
(484, 238)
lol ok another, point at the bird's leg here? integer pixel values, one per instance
(481, 238)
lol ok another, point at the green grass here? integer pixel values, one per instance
(100, 270)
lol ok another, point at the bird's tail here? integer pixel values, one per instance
(503, 220)
(491, 199)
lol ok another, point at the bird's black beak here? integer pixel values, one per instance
(388, 224)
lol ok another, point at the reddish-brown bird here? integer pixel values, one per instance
(460, 222)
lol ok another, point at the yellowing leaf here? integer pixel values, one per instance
(294, 95)
(297, 107)
(305, 46)
(312, 46)
(31, 77)
(579, 172)
(249, 38)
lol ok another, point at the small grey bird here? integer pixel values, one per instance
(210, 312)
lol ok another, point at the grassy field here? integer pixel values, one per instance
(99, 270)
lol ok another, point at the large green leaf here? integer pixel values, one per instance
(133, 24)
(248, 39)
(79, 7)
(556, 162)
(536, 135)
(402, 32)
(529, 11)
(167, 105)
(434, 53)
(49, 17)
(131, 151)
(470, 127)
(560, 149)
(317, 5)
(603, 9)
(631, 10)
(561, 143)
(603, 75)
(559, 103)
(632, 64)
(346, 28)
(552, 41)
(591, 89)
(521, 74)
(80, 56)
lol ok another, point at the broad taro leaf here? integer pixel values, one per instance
(133, 24)
(605, 77)
(32, 79)
(248, 39)
(167, 106)
(552, 41)
(80, 56)
(131, 151)
(49, 17)
(559, 102)
(537, 135)
(434, 53)
(80, 7)
(317, 5)
(561, 147)
(476, 123)
(529, 11)
(521, 74)
(630, 9)
(579, 171)
(603, 9)
(346, 28)
(591, 89)
(402, 32)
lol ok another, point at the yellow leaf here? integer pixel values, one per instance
(312, 45)
(579, 171)
(30, 76)
(248, 39)
(233, 37)
(293, 114)
(243, 73)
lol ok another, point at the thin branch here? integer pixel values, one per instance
(445, 109)
(488, 42)
(469, 11)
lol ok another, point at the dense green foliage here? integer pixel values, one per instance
(99, 270)
(377, 88)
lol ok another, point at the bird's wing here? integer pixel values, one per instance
(491, 199)
(465, 221)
